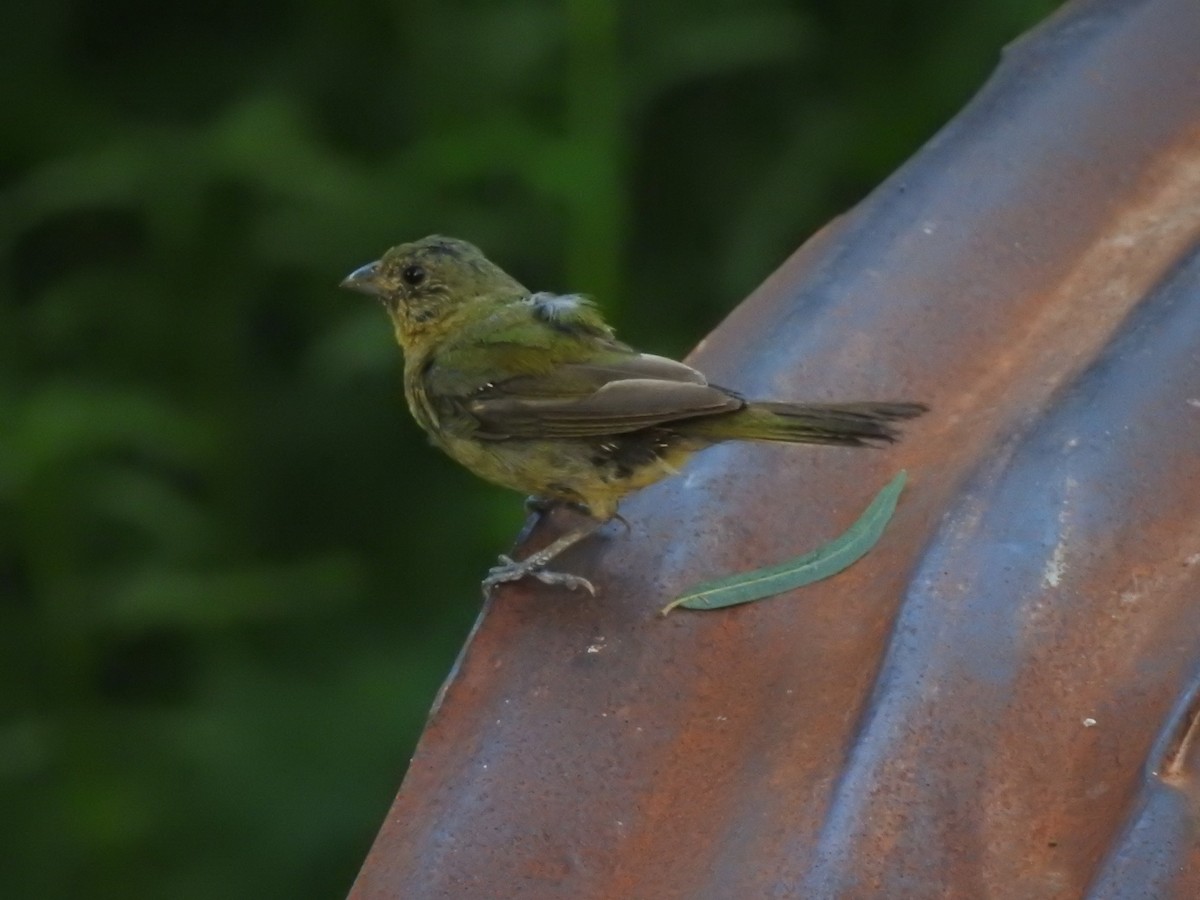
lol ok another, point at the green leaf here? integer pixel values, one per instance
(834, 557)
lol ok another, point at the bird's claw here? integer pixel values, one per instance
(513, 570)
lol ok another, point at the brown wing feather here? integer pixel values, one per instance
(612, 396)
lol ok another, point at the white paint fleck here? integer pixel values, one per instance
(1089, 722)
(594, 648)
(1073, 442)
(1055, 566)
(1193, 559)
(928, 227)
(1194, 401)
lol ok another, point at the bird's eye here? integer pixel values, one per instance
(413, 275)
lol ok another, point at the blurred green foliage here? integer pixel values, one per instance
(232, 574)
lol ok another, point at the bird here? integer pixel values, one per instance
(533, 391)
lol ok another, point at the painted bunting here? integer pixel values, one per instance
(534, 392)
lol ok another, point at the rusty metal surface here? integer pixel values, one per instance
(999, 700)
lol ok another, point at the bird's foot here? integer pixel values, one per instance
(533, 567)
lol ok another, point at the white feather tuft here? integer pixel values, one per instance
(552, 306)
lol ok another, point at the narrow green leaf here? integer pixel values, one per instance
(836, 556)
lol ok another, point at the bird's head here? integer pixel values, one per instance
(424, 283)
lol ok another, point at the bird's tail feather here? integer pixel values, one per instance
(844, 424)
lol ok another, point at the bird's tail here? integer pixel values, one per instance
(844, 424)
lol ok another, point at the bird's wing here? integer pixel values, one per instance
(554, 370)
(593, 399)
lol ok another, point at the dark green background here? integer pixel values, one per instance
(232, 573)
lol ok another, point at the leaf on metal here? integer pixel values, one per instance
(824, 562)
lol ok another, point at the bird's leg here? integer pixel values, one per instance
(537, 507)
(532, 565)
(540, 507)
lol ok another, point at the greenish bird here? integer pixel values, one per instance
(534, 392)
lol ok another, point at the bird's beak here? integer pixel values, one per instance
(365, 280)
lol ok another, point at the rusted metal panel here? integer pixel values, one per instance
(1000, 699)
